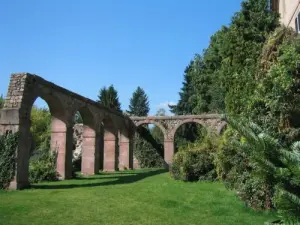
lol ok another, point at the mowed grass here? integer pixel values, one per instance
(131, 197)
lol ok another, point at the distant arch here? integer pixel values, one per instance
(197, 121)
(147, 122)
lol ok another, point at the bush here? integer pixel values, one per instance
(42, 166)
(146, 154)
(273, 174)
(8, 148)
(196, 163)
(236, 171)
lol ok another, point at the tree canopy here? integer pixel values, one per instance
(139, 103)
(109, 97)
(222, 78)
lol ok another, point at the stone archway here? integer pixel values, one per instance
(186, 121)
(148, 122)
(152, 141)
(23, 89)
(169, 124)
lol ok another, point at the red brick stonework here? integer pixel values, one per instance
(106, 134)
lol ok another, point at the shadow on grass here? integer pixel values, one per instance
(124, 178)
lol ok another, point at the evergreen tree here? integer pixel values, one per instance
(184, 105)
(139, 104)
(240, 50)
(223, 77)
(109, 97)
(146, 149)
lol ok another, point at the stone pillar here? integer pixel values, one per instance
(126, 153)
(10, 121)
(61, 142)
(168, 151)
(110, 151)
(90, 152)
(20, 180)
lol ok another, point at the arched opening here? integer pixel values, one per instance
(110, 145)
(148, 147)
(187, 133)
(47, 148)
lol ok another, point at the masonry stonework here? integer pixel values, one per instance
(104, 139)
(170, 124)
(23, 90)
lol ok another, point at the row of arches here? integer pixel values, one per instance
(105, 145)
(103, 139)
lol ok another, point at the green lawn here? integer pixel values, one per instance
(132, 197)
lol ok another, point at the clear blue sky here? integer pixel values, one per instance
(85, 45)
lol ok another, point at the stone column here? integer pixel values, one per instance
(110, 151)
(168, 150)
(20, 179)
(126, 152)
(10, 121)
(90, 152)
(61, 142)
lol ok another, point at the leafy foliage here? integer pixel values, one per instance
(223, 77)
(42, 166)
(275, 104)
(274, 170)
(147, 150)
(139, 103)
(40, 128)
(194, 163)
(146, 154)
(109, 97)
(8, 149)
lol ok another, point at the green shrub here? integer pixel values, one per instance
(8, 148)
(274, 174)
(40, 128)
(42, 166)
(196, 163)
(146, 154)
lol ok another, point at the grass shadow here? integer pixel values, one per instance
(127, 179)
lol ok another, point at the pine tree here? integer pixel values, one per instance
(184, 105)
(147, 150)
(139, 103)
(109, 97)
